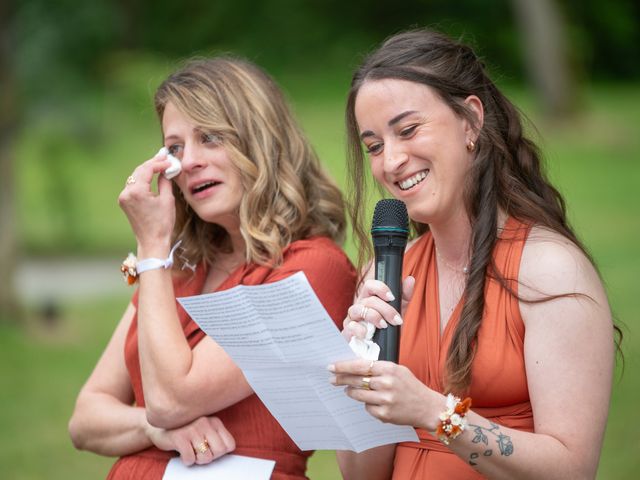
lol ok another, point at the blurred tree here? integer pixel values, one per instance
(544, 39)
(67, 54)
(9, 120)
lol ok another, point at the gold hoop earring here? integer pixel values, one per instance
(471, 146)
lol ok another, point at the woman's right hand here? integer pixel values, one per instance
(151, 215)
(188, 439)
(371, 306)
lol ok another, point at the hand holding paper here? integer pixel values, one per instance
(282, 338)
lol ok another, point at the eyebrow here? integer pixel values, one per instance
(196, 130)
(391, 123)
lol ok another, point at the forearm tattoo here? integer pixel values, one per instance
(504, 441)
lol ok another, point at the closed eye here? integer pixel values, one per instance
(374, 148)
(409, 131)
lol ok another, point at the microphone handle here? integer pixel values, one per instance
(388, 269)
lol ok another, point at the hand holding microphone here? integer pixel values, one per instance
(381, 299)
(389, 232)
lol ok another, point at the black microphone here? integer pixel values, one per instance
(389, 232)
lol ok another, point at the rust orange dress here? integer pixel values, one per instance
(499, 382)
(256, 432)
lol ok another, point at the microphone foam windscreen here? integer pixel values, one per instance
(390, 213)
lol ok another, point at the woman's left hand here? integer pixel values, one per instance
(390, 392)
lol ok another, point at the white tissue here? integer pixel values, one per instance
(367, 348)
(175, 168)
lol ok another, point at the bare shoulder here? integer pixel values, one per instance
(552, 265)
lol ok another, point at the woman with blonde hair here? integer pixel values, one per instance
(251, 205)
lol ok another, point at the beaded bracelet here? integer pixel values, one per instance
(452, 420)
(131, 267)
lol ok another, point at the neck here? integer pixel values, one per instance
(238, 244)
(452, 239)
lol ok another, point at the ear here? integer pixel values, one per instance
(474, 104)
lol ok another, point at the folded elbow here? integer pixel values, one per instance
(76, 434)
(165, 415)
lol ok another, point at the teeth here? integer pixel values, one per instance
(414, 180)
(203, 186)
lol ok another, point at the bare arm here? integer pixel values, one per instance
(569, 362)
(104, 420)
(179, 384)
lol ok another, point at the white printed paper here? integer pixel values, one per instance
(229, 467)
(282, 338)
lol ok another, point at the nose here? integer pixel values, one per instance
(191, 158)
(395, 158)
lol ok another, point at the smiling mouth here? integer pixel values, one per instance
(413, 180)
(203, 187)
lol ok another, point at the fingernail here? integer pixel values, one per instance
(390, 297)
(331, 368)
(383, 324)
(332, 379)
(163, 151)
(398, 320)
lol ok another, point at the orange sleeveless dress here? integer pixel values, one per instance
(499, 382)
(256, 432)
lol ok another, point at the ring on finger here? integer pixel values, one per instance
(364, 312)
(366, 383)
(202, 447)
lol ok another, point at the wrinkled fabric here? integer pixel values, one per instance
(499, 382)
(256, 432)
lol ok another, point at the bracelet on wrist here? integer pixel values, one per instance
(131, 267)
(453, 420)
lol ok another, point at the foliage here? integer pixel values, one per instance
(593, 160)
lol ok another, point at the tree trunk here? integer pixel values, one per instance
(545, 47)
(9, 309)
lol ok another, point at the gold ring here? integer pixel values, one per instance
(131, 180)
(366, 383)
(363, 315)
(202, 447)
(370, 370)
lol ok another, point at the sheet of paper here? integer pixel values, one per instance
(229, 467)
(282, 338)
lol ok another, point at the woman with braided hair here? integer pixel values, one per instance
(507, 342)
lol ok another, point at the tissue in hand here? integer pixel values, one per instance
(175, 168)
(367, 348)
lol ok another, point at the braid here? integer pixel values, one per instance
(484, 236)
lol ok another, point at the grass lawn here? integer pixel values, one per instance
(594, 160)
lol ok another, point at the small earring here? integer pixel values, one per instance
(471, 146)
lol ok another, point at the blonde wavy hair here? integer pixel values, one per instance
(287, 195)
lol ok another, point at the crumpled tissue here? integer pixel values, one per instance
(367, 348)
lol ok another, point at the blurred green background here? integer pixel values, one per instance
(76, 82)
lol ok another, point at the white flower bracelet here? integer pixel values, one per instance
(131, 267)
